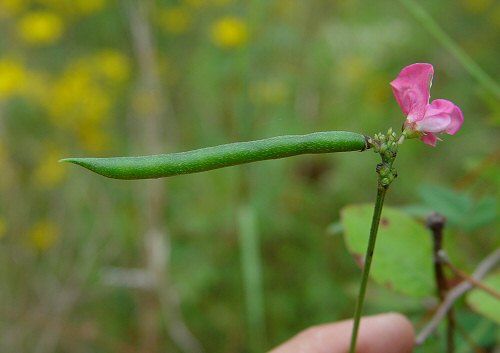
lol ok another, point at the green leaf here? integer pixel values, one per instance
(484, 303)
(453, 205)
(460, 209)
(403, 257)
(484, 213)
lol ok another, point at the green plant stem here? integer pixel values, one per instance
(446, 41)
(252, 277)
(379, 203)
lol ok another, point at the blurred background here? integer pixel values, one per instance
(238, 259)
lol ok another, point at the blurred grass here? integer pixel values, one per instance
(229, 70)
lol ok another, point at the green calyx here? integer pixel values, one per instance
(386, 145)
(410, 133)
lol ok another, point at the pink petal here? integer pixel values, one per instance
(441, 116)
(457, 119)
(412, 90)
(430, 139)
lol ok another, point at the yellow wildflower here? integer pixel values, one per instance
(77, 98)
(106, 66)
(40, 28)
(229, 32)
(43, 235)
(12, 77)
(176, 19)
(81, 100)
(113, 65)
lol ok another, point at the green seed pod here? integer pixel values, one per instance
(165, 165)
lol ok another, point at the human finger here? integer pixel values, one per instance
(384, 333)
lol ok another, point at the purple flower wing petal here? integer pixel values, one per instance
(441, 116)
(457, 119)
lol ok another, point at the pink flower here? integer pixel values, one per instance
(412, 91)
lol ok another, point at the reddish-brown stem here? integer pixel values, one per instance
(436, 223)
(456, 292)
(478, 284)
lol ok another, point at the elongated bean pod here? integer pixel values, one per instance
(165, 165)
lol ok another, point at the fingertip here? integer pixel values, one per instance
(401, 321)
(383, 333)
(388, 333)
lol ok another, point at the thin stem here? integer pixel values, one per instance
(446, 41)
(387, 147)
(478, 284)
(379, 203)
(252, 277)
(436, 223)
(484, 267)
